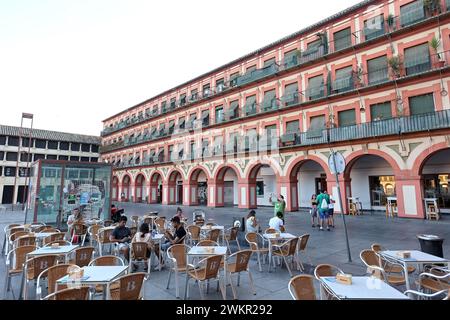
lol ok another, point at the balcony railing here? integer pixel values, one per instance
(389, 25)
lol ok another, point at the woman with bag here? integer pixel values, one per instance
(323, 201)
(313, 211)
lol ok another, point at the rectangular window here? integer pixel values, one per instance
(317, 123)
(192, 150)
(10, 171)
(38, 156)
(347, 118)
(163, 107)
(220, 85)
(251, 140)
(412, 12)
(417, 59)
(374, 27)
(377, 70)
(218, 145)
(155, 110)
(2, 155)
(219, 114)
(74, 158)
(270, 100)
(343, 39)
(421, 104)
(25, 142)
(233, 79)
(85, 147)
(205, 148)
(75, 146)
(11, 156)
(94, 159)
(233, 112)
(205, 118)
(52, 157)
(2, 140)
(269, 62)
(65, 158)
(250, 105)
(206, 90)
(171, 126)
(41, 144)
(173, 103)
(290, 59)
(85, 159)
(52, 145)
(183, 99)
(63, 145)
(232, 143)
(94, 148)
(194, 95)
(170, 153)
(181, 123)
(316, 88)
(292, 126)
(270, 135)
(249, 70)
(25, 157)
(192, 119)
(344, 80)
(13, 141)
(162, 129)
(290, 94)
(381, 111)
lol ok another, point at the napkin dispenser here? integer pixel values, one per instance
(344, 278)
(55, 245)
(404, 254)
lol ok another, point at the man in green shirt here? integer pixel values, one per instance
(323, 200)
(279, 205)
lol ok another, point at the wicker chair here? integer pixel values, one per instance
(432, 282)
(194, 234)
(81, 293)
(213, 235)
(104, 238)
(34, 267)
(394, 268)
(93, 234)
(107, 261)
(177, 255)
(15, 260)
(301, 287)
(160, 224)
(79, 230)
(232, 235)
(59, 242)
(237, 263)
(83, 256)
(286, 249)
(440, 295)
(129, 287)
(108, 223)
(53, 274)
(24, 241)
(207, 243)
(49, 229)
(138, 254)
(302, 243)
(204, 271)
(7, 233)
(326, 270)
(15, 236)
(256, 242)
(135, 221)
(54, 237)
(372, 262)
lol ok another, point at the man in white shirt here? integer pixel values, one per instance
(276, 222)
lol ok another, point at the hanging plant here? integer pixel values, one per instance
(395, 62)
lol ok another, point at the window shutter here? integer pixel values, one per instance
(421, 104)
(380, 111)
(377, 69)
(342, 39)
(347, 118)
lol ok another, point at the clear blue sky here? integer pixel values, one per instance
(75, 62)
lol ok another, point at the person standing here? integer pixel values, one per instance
(279, 205)
(323, 201)
(331, 212)
(313, 211)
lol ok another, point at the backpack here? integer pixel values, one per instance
(324, 204)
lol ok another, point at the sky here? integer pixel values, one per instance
(73, 63)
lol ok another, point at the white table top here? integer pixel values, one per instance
(204, 251)
(416, 256)
(283, 235)
(157, 236)
(44, 234)
(212, 228)
(50, 250)
(363, 288)
(98, 274)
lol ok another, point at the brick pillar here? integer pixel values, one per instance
(247, 194)
(171, 193)
(409, 193)
(153, 195)
(219, 194)
(165, 193)
(212, 193)
(190, 194)
(288, 189)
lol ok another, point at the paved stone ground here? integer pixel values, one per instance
(323, 247)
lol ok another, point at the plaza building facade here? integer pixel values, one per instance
(17, 155)
(370, 82)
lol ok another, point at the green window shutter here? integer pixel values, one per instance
(219, 114)
(378, 69)
(342, 39)
(291, 58)
(269, 62)
(315, 87)
(234, 109)
(347, 118)
(291, 88)
(292, 126)
(412, 12)
(417, 59)
(343, 79)
(250, 105)
(380, 111)
(269, 99)
(421, 104)
(317, 123)
(374, 27)
(314, 45)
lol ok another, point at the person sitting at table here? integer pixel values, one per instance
(75, 217)
(122, 235)
(251, 224)
(277, 223)
(176, 238)
(144, 235)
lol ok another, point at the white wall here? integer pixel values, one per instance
(307, 182)
(268, 176)
(231, 176)
(363, 168)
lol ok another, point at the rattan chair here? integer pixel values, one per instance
(49, 229)
(205, 270)
(53, 274)
(59, 242)
(256, 242)
(194, 234)
(138, 254)
(374, 267)
(81, 293)
(326, 270)
(107, 261)
(207, 243)
(440, 295)
(15, 236)
(108, 223)
(213, 235)
(285, 250)
(135, 221)
(15, 260)
(394, 268)
(93, 234)
(301, 287)
(237, 263)
(104, 239)
(7, 233)
(82, 256)
(33, 267)
(302, 243)
(160, 224)
(232, 235)
(432, 282)
(26, 240)
(129, 287)
(79, 230)
(177, 255)
(270, 230)
(53, 237)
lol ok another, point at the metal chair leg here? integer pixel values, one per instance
(232, 287)
(168, 281)
(251, 282)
